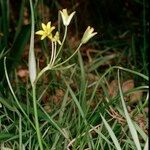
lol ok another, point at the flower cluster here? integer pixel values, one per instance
(47, 29)
(47, 32)
(54, 62)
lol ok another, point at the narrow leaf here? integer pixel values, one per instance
(111, 133)
(146, 145)
(129, 121)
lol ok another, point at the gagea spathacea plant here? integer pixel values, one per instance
(48, 31)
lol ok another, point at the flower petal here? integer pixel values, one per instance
(40, 32)
(69, 18)
(52, 28)
(43, 37)
(59, 42)
(65, 13)
(48, 26)
(65, 17)
(44, 26)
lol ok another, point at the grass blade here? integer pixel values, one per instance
(20, 131)
(111, 133)
(11, 89)
(77, 103)
(146, 145)
(129, 121)
(54, 123)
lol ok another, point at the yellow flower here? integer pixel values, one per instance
(65, 17)
(56, 38)
(88, 34)
(46, 32)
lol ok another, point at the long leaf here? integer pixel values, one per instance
(111, 133)
(77, 103)
(146, 145)
(129, 121)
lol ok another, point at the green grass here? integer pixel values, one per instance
(74, 108)
(70, 122)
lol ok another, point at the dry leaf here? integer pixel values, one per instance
(47, 108)
(59, 92)
(136, 96)
(57, 98)
(142, 122)
(127, 85)
(23, 74)
(92, 77)
(146, 110)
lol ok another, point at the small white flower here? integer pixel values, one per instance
(65, 17)
(88, 34)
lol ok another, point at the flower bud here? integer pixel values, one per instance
(65, 17)
(88, 34)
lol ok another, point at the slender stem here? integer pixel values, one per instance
(65, 34)
(41, 73)
(54, 58)
(36, 117)
(69, 57)
(54, 124)
(49, 67)
(20, 131)
(52, 54)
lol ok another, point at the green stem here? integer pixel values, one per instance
(48, 67)
(52, 54)
(36, 117)
(69, 57)
(65, 34)
(41, 73)
(54, 58)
